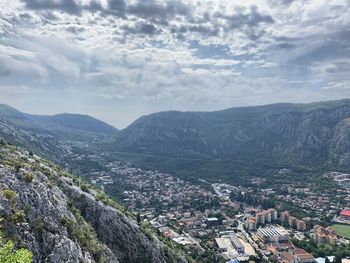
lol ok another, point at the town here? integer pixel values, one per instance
(232, 223)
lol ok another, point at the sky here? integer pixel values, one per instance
(120, 59)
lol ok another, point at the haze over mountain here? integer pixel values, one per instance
(249, 138)
(51, 136)
(231, 143)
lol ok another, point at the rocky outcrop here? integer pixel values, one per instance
(120, 234)
(43, 210)
(42, 229)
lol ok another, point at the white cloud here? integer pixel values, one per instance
(187, 55)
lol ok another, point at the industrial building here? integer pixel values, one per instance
(273, 234)
(237, 244)
(226, 248)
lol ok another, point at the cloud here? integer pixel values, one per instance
(68, 6)
(133, 57)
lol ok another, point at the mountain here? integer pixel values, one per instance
(245, 139)
(51, 136)
(65, 124)
(60, 219)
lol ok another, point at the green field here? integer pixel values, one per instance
(342, 230)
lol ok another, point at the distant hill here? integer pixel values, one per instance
(74, 125)
(245, 139)
(51, 136)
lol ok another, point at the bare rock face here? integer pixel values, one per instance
(44, 211)
(120, 234)
(45, 208)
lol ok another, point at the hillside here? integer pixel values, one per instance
(67, 124)
(51, 136)
(44, 210)
(246, 138)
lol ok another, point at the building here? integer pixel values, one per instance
(225, 247)
(324, 235)
(251, 223)
(273, 234)
(292, 221)
(273, 213)
(297, 255)
(212, 221)
(341, 179)
(345, 215)
(285, 216)
(261, 218)
(301, 225)
(162, 220)
(237, 244)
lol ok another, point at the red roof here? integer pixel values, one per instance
(345, 213)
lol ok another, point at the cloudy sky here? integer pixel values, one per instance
(120, 59)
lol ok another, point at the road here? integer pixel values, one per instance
(250, 240)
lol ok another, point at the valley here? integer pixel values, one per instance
(198, 199)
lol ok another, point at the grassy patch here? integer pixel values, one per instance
(342, 230)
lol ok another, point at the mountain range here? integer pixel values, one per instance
(57, 217)
(235, 142)
(240, 141)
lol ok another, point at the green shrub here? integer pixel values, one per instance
(8, 254)
(84, 234)
(29, 177)
(19, 216)
(10, 195)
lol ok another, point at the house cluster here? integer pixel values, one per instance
(324, 235)
(295, 255)
(341, 179)
(276, 244)
(293, 222)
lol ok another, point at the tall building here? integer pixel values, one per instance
(285, 216)
(251, 223)
(292, 221)
(301, 225)
(273, 213)
(260, 218)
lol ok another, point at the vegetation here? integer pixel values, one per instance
(8, 253)
(29, 177)
(84, 234)
(323, 250)
(10, 195)
(342, 230)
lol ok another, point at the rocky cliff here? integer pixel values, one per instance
(44, 210)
